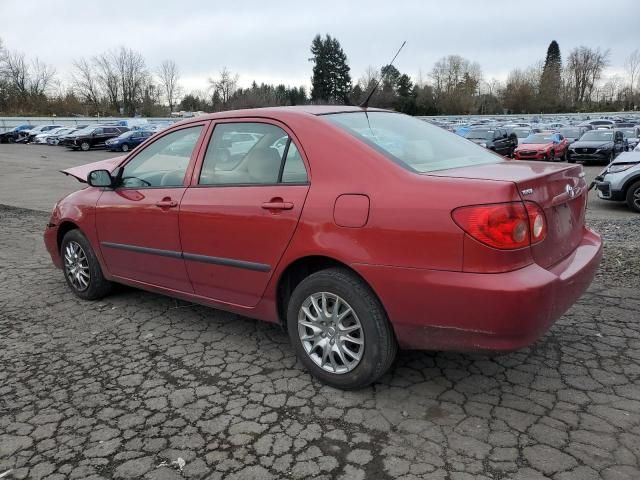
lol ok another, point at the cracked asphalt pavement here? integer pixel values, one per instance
(143, 386)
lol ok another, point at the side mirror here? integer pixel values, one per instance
(100, 178)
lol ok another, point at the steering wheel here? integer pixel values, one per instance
(143, 181)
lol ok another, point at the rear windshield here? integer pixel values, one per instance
(412, 143)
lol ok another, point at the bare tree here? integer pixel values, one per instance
(108, 79)
(26, 78)
(456, 81)
(86, 82)
(41, 77)
(133, 76)
(632, 67)
(585, 66)
(15, 69)
(223, 87)
(169, 76)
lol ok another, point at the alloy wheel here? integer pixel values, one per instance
(331, 332)
(76, 266)
(125, 147)
(636, 198)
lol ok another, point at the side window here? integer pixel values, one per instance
(98, 131)
(294, 170)
(244, 154)
(164, 162)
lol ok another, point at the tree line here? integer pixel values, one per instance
(120, 82)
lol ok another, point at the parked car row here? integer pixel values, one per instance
(593, 140)
(121, 136)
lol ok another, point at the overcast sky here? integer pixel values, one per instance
(268, 40)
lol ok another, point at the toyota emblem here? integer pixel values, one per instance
(569, 190)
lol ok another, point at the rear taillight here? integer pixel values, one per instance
(537, 222)
(507, 226)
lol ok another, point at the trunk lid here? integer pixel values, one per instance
(561, 191)
(80, 172)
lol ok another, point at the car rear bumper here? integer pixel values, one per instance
(441, 310)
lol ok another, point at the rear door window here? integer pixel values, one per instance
(251, 153)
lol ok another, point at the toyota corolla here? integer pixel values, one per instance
(360, 231)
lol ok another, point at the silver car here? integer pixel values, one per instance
(620, 181)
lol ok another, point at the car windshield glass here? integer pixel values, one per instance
(85, 131)
(522, 133)
(412, 143)
(479, 134)
(570, 132)
(539, 139)
(598, 135)
(127, 134)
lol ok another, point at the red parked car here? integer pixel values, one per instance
(359, 231)
(543, 146)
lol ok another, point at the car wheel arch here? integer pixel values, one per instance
(630, 181)
(64, 228)
(300, 269)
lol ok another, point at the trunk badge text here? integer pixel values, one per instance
(527, 191)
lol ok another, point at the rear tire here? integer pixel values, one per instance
(81, 268)
(633, 197)
(315, 328)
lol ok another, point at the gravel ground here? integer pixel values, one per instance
(621, 261)
(141, 386)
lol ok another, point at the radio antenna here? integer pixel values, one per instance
(365, 104)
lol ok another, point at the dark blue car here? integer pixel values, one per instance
(128, 140)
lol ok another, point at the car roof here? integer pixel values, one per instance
(281, 112)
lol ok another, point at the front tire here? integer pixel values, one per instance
(124, 147)
(340, 330)
(84, 146)
(81, 268)
(633, 197)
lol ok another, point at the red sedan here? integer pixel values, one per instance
(359, 231)
(542, 146)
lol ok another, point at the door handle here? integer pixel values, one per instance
(277, 204)
(166, 203)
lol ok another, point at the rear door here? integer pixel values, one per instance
(242, 209)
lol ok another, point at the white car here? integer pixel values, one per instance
(42, 137)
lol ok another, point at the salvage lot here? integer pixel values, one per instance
(119, 388)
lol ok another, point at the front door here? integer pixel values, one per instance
(137, 223)
(239, 216)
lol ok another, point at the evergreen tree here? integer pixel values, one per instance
(331, 81)
(550, 81)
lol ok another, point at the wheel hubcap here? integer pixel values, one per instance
(636, 198)
(76, 266)
(331, 332)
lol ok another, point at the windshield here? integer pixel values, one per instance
(479, 135)
(85, 131)
(127, 134)
(539, 138)
(522, 133)
(414, 144)
(628, 133)
(570, 132)
(598, 135)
